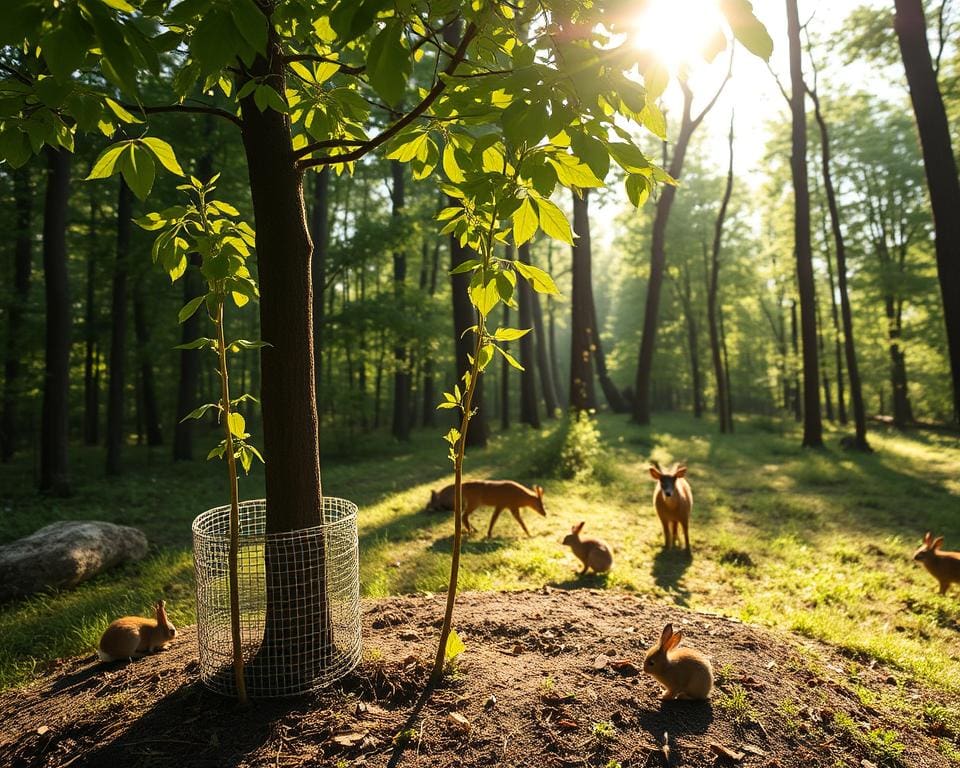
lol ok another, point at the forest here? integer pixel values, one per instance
(600, 250)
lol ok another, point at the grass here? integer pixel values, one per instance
(815, 542)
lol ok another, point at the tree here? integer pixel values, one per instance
(658, 257)
(582, 397)
(941, 169)
(401, 375)
(118, 331)
(812, 425)
(529, 412)
(544, 369)
(55, 427)
(91, 335)
(141, 329)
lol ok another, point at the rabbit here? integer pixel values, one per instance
(943, 566)
(683, 672)
(132, 636)
(593, 553)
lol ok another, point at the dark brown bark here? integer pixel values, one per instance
(118, 333)
(552, 337)
(505, 380)
(401, 354)
(941, 170)
(720, 375)
(151, 411)
(812, 424)
(796, 400)
(613, 395)
(849, 347)
(837, 338)
(22, 266)
(684, 294)
(320, 235)
(464, 316)
(658, 256)
(726, 370)
(529, 412)
(582, 396)
(91, 333)
(543, 361)
(827, 397)
(429, 396)
(55, 424)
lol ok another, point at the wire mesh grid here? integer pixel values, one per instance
(299, 600)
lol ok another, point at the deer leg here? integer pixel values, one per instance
(466, 518)
(686, 534)
(666, 533)
(676, 533)
(516, 516)
(493, 519)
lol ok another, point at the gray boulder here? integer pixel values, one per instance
(64, 554)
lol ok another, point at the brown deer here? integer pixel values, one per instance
(499, 494)
(673, 502)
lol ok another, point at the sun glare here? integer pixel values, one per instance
(677, 32)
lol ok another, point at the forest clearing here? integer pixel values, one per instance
(505, 382)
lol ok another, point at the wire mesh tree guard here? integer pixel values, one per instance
(299, 600)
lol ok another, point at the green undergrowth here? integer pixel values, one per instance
(813, 542)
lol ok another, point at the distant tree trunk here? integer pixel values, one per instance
(505, 379)
(720, 377)
(91, 332)
(22, 266)
(401, 375)
(941, 169)
(827, 398)
(529, 413)
(726, 371)
(812, 425)
(189, 379)
(118, 333)
(55, 427)
(796, 400)
(151, 411)
(853, 370)
(543, 359)
(582, 397)
(685, 294)
(902, 412)
(838, 341)
(464, 317)
(552, 336)
(429, 398)
(613, 395)
(651, 310)
(320, 235)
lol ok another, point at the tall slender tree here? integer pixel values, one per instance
(116, 384)
(529, 412)
(148, 384)
(91, 332)
(582, 396)
(401, 352)
(544, 370)
(940, 165)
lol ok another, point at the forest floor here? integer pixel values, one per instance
(549, 679)
(817, 543)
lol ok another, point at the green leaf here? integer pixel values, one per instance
(454, 646)
(388, 63)
(485, 296)
(251, 22)
(105, 166)
(164, 153)
(539, 280)
(197, 413)
(510, 358)
(450, 165)
(554, 223)
(189, 308)
(465, 266)
(198, 344)
(524, 222)
(138, 170)
(747, 28)
(218, 451)
(121, 112)
(638, 189)
(653, 119)
(246, 458)
(237, 424)
(510, 334)
(65, 47)
(233, 346)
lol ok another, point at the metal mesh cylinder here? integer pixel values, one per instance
(299, 600)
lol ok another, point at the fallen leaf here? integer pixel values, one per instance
(42, 730)
(458, 721)
(726, 752)
(601, 661)
(349, 739)
(567, 724)
(625, 667)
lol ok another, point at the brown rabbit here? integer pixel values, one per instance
(133, 636)
(593, 553)
(943, 566)
(683, 672)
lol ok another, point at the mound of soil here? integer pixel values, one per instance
(548, 679)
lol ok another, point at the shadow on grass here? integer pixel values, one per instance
(583, 581)
(679, 719)
(477, 546)
(669, 567)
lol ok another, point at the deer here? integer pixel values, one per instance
(673, 502)
(499, 494)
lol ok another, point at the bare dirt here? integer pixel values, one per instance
(530, 691)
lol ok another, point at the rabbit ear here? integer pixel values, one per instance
(926, 537)
(578, 528)
(666, 635)
(674, 640)
(936, 543)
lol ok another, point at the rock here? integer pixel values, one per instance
(64, 554)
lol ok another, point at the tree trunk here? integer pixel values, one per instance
(837, 339)
(902, 412)
(796, 400)
(91, 376)
(812, 425)
(726, 371)
(401, 375)
(941, 170)
(22, 266)
(320, 235)
(552, 336)
(582, 397)
(464, 316)
(55, 426)
(719, 374)
(118, 332)
(429, 398)
(685, 295)
(529, 413)
(543, 362)
(827, 399)
(297, 634)
(505, 379)
(151, 412)
(846, 314)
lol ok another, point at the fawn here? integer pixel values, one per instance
(499, 494)
(673, 502)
